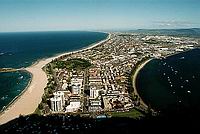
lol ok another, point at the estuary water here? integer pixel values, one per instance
(171, 83)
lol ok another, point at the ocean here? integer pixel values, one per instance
(22, 49)
(172, 83)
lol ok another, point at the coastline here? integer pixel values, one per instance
(134, 77)
(139, 67)
(27, 101)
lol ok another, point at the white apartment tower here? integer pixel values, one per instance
(58, 101)
(60, 94)
(94, 92)
(56, 104)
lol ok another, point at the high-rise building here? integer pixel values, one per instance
(74, 105)
(56, 104)
(77, 85)
(58, 101)
(94, 92)
(60, 94)
(76, 89)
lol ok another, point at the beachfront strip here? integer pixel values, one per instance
(99, 79)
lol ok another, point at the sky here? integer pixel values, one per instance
(56, 15)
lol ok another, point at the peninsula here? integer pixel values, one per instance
(96, 80)
(102, 80)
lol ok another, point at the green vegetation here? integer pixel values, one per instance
(152, 41)
(133, 113)
(40, 106)
(37, 111)
(48, 69)
(72, 64)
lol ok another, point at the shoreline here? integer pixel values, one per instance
(134, 77)
(179, 53)
(29, 99)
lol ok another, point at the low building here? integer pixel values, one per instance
(77, 81)
(94, 105)
(64, 86)
(74, 104)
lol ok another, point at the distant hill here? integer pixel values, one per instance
(191, 32)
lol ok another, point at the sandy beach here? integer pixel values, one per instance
(134, 81)
(28, 101)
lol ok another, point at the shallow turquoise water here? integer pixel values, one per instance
(11, 85)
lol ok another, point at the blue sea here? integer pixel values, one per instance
(22, 49)
(172, 83)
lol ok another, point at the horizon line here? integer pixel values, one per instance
(97, 30)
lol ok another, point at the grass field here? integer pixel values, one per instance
(72, 64)
(133, 113)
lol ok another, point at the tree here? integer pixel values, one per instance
(40, 106)
(44, 99)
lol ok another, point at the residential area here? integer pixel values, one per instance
(98, 80)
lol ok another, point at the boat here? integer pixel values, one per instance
(182, 58)
(175, 72)
(189, 91)
(21, 77)
(3, 98)
(1, 54)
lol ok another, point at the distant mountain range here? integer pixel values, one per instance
(192, 32)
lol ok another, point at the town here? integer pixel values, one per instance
(98, 80)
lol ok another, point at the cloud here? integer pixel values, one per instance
(174, 23)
